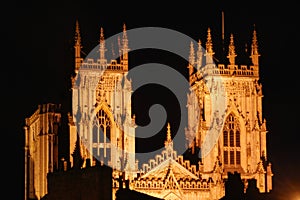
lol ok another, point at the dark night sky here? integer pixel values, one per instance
(38, 53)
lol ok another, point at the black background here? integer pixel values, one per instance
(37, 59)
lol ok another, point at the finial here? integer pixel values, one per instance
(125, 39)
(209, 42)
(199, 55)
(231, 45)
(77, 34)
(254, 49)
(169, 142)
(125, 49)
(254, 43)
(209, 48)
(124, 27)
(77, 47)
(192, 54)
(77, 25)
(169, 138)
(231, 52)
(102, 47)
(199, 45)
(101, 34)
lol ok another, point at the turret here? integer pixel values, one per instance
(169, 142)
(199, 55)
(125, 49)
(231, 53)
(209, 48)
(102, 48)
(77, 46)
(191, 59)
(254, 49)
(169, 137)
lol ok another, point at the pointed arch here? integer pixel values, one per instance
(232, 141)
(102, 123)
(103, 106)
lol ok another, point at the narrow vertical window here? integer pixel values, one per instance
(231, 157)
(231, 142)
(225, 138)
(238, 157)
(225, 157)
(101, 137)
(237, 140)
(231, 138)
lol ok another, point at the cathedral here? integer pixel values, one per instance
(225, 133)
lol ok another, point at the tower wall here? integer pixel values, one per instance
(101, 111)
(225, 115)
(41, 148)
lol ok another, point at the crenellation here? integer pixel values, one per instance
(180, 159)
(152, 163)
(160, 184)
(224, 71)
(145, 168)
(186, 164)
(158, 159)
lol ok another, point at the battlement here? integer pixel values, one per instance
(43, 108)
(102, 65)
(158, 159)
(225, 70)
(159, 184)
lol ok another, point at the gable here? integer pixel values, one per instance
(161, 171)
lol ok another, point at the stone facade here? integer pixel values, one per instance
(226, 131)
(41, 148)
(225, 122)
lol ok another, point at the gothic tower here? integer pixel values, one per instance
(226, 128)
(101, 108)
(225, 118)
(41, 148)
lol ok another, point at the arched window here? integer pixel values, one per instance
(101, 137)
(231, 142)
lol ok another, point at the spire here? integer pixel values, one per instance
(254, 49)
(209, 48)
(102, 47)
(77, 34)
(169, 138)
(231, 53)
(191, 59)
(209, 44)
(77, 47)
(125, 39)
(125, 49)
(192, 54)
(199, 55)
(168, 141)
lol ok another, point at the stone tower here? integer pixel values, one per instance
(41, 148)
(226, 130)
(225, 118)
(101, 108)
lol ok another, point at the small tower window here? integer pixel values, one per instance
(231, 142)
(101, 137)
